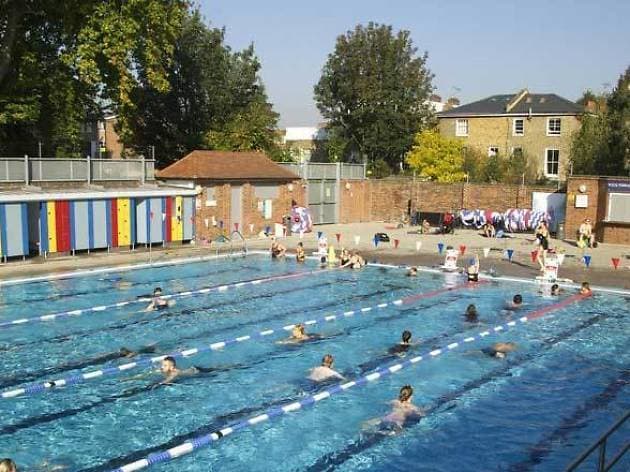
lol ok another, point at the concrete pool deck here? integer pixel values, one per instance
(600, 272)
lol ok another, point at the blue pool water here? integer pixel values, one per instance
(536, 410)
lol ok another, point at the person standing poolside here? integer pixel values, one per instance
(325, 371)
(300, 255)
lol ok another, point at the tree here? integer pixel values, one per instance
(61, 61)
(437, 157)
(588, 145)
(618, 124)
(374, 91)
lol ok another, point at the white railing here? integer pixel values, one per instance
(326, 171)
(37, 169)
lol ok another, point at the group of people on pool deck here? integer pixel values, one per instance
(347, 259)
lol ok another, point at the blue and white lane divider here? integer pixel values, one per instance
(148, 362)
(207, 439)
(189, 293)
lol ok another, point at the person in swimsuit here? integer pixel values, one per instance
(157, 302)
(516, 303)
(555, 290)
(344, 257)
(325, 371)
(402, 409)
(488, 230)
(277, 249)
(300, 255)
(7, 465)
(471, 314)
(171, 372)
(542, 235)
(499, 350)
(585, 289)
(472, 271)
(298, 335)
(404, 345)
(412, 272)
(355, 261)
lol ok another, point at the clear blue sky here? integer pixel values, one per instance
(480, 47)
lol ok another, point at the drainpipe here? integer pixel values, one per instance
(26, 176)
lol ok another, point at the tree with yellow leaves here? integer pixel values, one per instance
(436, 157)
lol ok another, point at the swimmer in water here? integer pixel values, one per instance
(585, 289)
(7, 465)
(325, 371)
(344, 257)
(471, 314)
(277, 249)
(555, 290)
(412, 272)
(517, 302)
(300, 255)
(402, 409)
(171, 372)
(404, 345)
(499, 350)
(472, 271)
(298, 335)
(157, 302)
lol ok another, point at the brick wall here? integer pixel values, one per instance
(387, 199)
(250, 214)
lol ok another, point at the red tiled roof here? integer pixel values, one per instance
(226, 165)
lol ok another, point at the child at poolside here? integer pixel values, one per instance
(277, 249)
(325, 371)
(585, 289)
(7, 465)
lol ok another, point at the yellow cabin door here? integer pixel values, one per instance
(51, 217)
(124, 222)
(177, 223)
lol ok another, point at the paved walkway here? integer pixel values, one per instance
(601, 271)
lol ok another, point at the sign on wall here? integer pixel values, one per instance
(619, 186)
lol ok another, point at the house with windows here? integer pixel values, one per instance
(539, 126)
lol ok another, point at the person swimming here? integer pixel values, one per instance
(7, 465)
(517, 302)
(555, 290)
(277, 249)
(157, 302)
(404, 345)
(499, 350)
(472, 271)
(298, 335)
(412, 272)
(325, 371)
(402, 409)
(471, 314)
(585, 289)
(355, 261)
(300, 255)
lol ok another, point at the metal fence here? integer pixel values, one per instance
(27, 170)
(325, 171)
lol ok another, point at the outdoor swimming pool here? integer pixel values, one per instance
(535, 410)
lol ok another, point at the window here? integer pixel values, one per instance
(552, 162)
(493, 151)
(461, 128)
(210, 198)
(553, 127)
(619, 207)
(517, 152)
(518, 127)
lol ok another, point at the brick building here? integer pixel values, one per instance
(235, 190)
(539, 126)
(605, 201)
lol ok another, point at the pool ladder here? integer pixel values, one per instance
(602, 466)
(231, 248)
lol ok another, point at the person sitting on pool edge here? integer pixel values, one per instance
(325, 371)
(300, 255)
(7, 465)
(471, 314)
(585, 289)
(472, 271)
(403, 345)
(499, 350)
(412, 272)
(277, 249)
(157, 302)
(402, 409)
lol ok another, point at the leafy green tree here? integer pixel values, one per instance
(436, 157)
(588, 145)
(61, 61)
(493, 170)
(374, 91)
(618, 124)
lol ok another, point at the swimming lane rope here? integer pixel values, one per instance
(201, 291)
(111, 371)
(207, 439)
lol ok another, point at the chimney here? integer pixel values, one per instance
(515, 99)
